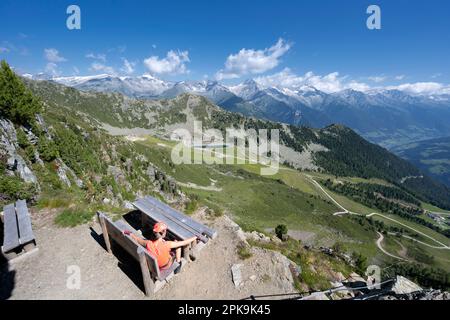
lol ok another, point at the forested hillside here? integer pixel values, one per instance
(431, 156)
(52, 157)
(345, 153)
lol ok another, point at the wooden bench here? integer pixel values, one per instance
(18, 234)
(153, 278)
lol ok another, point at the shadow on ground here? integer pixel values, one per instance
(126, 263)
(7, 276)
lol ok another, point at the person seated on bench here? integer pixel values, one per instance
(162, 249)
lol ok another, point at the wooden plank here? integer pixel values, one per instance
(149, 284)
(123, 225)
(101, 219)
(176, 224)
(180, 223)
(199, 227)
(11, 234)
(123, 240)
(24, 222)
(158, 217)
(152, 265)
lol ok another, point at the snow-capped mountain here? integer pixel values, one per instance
(378, 114)
(145, 86)
(246, 90)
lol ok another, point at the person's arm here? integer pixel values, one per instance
(178, 244)
(139, 240)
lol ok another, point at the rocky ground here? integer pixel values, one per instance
(48, 273)
(219, 272)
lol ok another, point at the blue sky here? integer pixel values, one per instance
(196, 39)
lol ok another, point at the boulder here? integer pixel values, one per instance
(257, 236)
(151, 172)
(405, 286)
(236, 274)
(116, 173)
(8, 147)
(128, 205)
(316, 296)
(296, 270)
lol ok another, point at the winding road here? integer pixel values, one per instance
(441, 246)
(379, 241)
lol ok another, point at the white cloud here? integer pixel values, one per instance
(436, 75)
(119, 49)
(358, 86)
(422, 88)
(251, 61)
(52, 69)
(8, 47)
(99, 67)
(333, 82)
(173, 63)
(329, 83)
(377, 79)
(128, 67)
(101, 57)
(76, 71)
(52, 55)
(382, 78)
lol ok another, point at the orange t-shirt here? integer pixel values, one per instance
(161, 250)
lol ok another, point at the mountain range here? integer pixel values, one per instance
(71, 148)
(386, 117)
(335, 149)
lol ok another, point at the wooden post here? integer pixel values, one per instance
(101, 219)
(185, 252)
(146, 277)
(192, 251)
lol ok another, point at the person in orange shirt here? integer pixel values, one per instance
(161, 249)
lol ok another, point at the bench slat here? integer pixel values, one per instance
(177, 221)
(23, 217)
(158, 217)
(115, 231)
(124, 241)
(11, 234)
(168, 210)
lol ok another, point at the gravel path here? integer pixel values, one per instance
(44, 275)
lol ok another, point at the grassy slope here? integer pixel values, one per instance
(289, 197)
(257, 202)
(261, 203)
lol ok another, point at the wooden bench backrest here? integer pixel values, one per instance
(11, 233)
(115, 232)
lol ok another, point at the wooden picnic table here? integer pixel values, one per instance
(178, 223)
